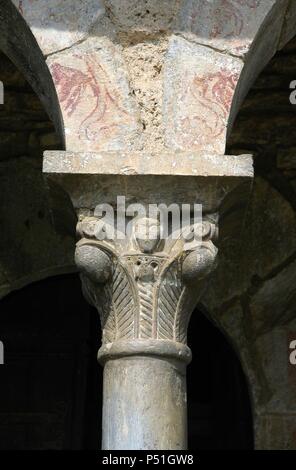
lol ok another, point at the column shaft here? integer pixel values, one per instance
(144, 404)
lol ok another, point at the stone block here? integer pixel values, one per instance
(229, 25)
(58, 24)
(167, 178)
(270, 228)
(232, 321)
(274, 303)
(98, 110)
(276, 432)
(143, 16)
(38, 238)
(199, 85)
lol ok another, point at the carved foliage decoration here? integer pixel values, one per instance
(151, 288)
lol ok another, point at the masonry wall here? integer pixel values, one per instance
(253, 292)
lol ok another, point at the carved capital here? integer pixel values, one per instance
(145, 288)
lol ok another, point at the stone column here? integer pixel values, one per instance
(145, 290)
(145, 287)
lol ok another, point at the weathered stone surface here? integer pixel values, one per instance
(272, 130)
(146, 300)
(32, 214)
(148, 395)
(144, 59)
(58, 24)
(276, 432)
(137, 163)
(258, 287)
(262, 49)
(266, 124)
(87, 191)
(273, 351)
(18, 43)
(274, 303)
(144, 305)
(269, 227)
(98, 110)
(37, 239)
(231, 277)
(143, 29)
(288, 31)
(234, 323)
(153, 286)
(229, 26)
(199, 85)
(92, 179)
(10, 74)
(145, 16)
(25, 128)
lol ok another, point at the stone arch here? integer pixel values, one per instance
(275, 31)
(20, 45)
(37, 238)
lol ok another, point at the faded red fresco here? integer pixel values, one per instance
(228, 18)
(91, 91)
(212, 96)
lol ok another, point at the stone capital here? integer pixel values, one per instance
(145, 288)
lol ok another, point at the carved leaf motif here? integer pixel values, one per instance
(100, 296)
(146, 309)
(169, 295)
(123, 304)
(188, 301)
(107, 314)
(186, 306)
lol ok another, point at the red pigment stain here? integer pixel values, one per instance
(106, 114)
(213, 97)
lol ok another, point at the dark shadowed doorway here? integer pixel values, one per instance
(219, 410)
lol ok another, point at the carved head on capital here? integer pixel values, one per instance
(146, 233)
